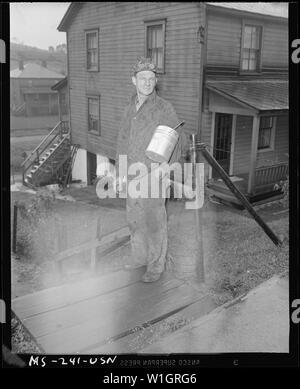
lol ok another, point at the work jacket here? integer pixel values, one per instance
(137, 128)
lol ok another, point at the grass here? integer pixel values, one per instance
(22, 341)
(152, 333)
(245, 255)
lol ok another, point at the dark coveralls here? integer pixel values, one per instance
(147, 217)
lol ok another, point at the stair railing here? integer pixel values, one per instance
(70, 167)
(56, 134)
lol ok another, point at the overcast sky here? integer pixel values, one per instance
(35, 24)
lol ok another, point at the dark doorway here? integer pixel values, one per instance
(91, 167)
(222, 143)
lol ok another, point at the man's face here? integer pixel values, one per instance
(145, 82)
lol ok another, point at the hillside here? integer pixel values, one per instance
(56, 61)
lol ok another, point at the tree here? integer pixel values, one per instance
(62, 48)
(51, 49)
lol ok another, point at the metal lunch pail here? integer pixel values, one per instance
(162, 144)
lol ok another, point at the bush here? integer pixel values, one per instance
(35, 227)
(285, 189)
(284, 186)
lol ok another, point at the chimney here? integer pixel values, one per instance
(44, 64)
(21, 65)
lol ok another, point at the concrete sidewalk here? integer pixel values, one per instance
(258, 322)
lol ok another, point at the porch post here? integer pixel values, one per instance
(253, 154)
(233, 130)
(212, 139)
(59, 107)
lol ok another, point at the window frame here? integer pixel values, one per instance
(251, 23)
(152, 23)
(95, 97)
(272, 137)
(87, 32)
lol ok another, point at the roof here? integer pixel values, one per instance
(69, 15)
(34, 70)
(269, 9)
(60, 84)
(263, 95)
(279, 10)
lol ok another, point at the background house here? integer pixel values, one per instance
(33, 104)
(222, 65)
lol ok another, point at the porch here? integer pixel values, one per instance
(266, 187)
(249, 138)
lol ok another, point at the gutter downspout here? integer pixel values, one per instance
(69, 88)
(201, 38)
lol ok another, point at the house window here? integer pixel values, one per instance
(92, 50)
(251, 48)
(266, 133)
(155, 43)
(94, 114)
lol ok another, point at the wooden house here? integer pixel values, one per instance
(224, 67)
(33, 104)
(61, 87)
(245, 101)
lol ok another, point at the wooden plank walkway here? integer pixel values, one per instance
(102, 314)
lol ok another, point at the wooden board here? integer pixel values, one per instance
(87, 315)
(59, 297)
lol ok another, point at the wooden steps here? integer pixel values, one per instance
(45, 164)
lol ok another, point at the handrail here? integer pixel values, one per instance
(267, 175)
(283, 163)
(37, 147)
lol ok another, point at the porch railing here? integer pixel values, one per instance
(269, 175)
(18, 111)
(54, 136)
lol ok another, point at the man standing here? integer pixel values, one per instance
(146, 217)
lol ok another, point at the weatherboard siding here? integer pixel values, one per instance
(241, 160)
(243, 136)
(224, 36)
(281, 144)
(223, 40)
(121, 41)
(275, 46)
